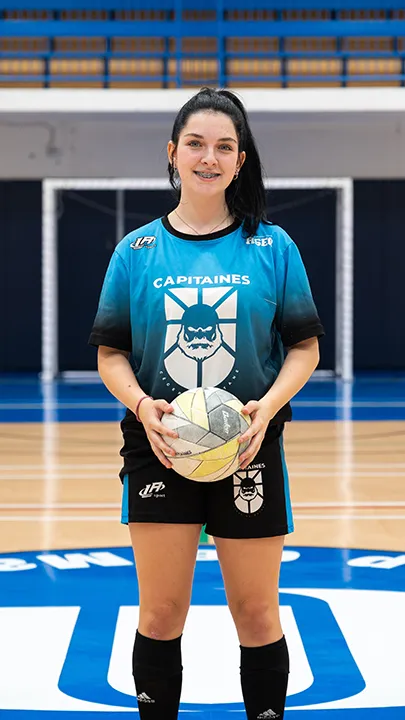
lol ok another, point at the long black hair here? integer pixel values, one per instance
(245, 196)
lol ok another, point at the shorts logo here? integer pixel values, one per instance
(152, 490)
(148, 241)
(248, 491)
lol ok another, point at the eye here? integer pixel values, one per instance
(225, 147)
(193, 143)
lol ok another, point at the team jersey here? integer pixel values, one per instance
(217, 310)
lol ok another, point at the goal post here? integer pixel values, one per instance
(343, 248)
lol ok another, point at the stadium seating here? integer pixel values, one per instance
(184, 43)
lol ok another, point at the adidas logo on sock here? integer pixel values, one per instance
(143, 697)
(267, 714)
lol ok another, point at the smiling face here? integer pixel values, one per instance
(207, 156)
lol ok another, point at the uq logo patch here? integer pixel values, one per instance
(148, 241)
(248, 491)
(200, 339)
(68, 621)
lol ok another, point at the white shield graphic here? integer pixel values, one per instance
(248, 491)
(201, 335)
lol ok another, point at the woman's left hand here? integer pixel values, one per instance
(261, 414)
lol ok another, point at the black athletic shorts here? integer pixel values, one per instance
(251, 503)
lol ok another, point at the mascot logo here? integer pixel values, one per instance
(248, 491)
(201, 335)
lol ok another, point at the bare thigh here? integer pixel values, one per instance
(165, 556)
(251, 569)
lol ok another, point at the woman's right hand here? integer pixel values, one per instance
(150, 414)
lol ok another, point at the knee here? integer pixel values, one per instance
(163, 621)
(257, 622)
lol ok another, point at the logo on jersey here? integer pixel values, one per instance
(260, 241)
(201, 335)
(248, 490)
(148, 241)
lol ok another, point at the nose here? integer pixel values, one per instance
(209, 157)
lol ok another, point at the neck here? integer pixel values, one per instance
(202, 216)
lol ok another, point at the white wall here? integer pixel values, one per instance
(301, 139)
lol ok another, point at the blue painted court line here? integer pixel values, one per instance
(367, 398)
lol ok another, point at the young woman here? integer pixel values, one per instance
(210, 295)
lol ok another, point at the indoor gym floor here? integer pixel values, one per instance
(68, 594)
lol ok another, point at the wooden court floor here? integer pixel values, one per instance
(59, 486)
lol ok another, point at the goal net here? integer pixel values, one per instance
(341, 245)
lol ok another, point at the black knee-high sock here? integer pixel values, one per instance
(264, 676)
(157, 672)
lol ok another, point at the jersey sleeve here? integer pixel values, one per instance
(112, 325)
(296, 317)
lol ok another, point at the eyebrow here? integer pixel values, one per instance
(201, 137)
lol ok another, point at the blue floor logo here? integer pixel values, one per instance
(68, 619)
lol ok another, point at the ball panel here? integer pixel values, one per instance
(212, 440)
(209, 467)
(200, 417)
(185, 466)
(220, 474)
(223, 452)
(174, 422)
(224, 422)
(194, 433)
(185, 447)
(178, 411)
(213, 401)
(198, 404)
(225, 395)
(235, 404)
(185, 401)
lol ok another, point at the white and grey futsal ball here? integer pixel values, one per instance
(209, 422)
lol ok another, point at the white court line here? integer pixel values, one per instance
(113, 506)
(62, 406)
(114, 518)
(105, 476)
(73, 466)
(114, 466)
(349, 517)
(354, 403)
(117, 405)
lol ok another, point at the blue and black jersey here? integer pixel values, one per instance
(217, 310)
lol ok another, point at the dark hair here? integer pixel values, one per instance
(245, 196)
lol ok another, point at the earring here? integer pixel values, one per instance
(176, 176)
(235, 177)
